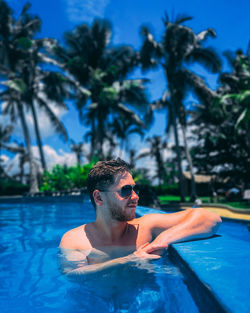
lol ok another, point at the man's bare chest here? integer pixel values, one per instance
(134, 236)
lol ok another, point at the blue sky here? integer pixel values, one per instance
(230, 20)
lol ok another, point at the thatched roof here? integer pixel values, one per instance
(199, 178)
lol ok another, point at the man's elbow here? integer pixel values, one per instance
(211, 221)
(215, 223)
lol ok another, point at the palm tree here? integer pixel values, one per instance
(78, 149)
(123, 128)
(156, 148)
(179, 47)
(223, 139)
(103, 71)
(23, 158)
(11, 54)
(36, 85)
(5, 135)
(11, 98)
(235, 88)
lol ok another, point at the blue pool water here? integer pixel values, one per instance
(30, 280)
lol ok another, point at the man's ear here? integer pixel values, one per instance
(97, 197)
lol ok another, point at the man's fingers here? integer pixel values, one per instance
(150, 248)
(153, 256)
(156, 249)
(144, 245)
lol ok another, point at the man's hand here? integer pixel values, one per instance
(144, 252)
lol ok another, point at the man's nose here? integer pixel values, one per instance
(134, 195)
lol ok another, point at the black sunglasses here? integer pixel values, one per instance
(125, 191)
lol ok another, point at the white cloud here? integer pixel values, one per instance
(61, 157)
(11, 165)
(79, 11)
(45, 126)
(4, 158)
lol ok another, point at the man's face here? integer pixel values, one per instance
(121, 208)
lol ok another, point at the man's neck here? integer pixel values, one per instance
(111, 231)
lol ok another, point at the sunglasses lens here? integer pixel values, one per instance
(126, 191)
(136, 190)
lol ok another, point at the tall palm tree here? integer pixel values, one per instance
(11, 55)
(23, 158)
(103, 70)
(235, 88)
(155, 151)
(11, 97)
(224, 132)
(36, 85)
(123, 128)
(5, 135)
(179, 47)
(78, 149)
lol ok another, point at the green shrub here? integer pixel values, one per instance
(167, 190)
(62, 177)
(12, 187)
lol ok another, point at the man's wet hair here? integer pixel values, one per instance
(103, 175)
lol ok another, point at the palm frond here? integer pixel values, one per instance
(143, 154)
(202, 36)
(230, 56)
(203, 92)
(182, 18)
(207, 57)
(101, 31)
(132, 115)
(150, 51)
(25, 9)
(179, 19)
(56, 123)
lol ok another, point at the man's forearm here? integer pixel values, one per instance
(94, 268)
(197, 224)
(193, 227)
(137, 257)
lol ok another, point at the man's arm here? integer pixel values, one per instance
(176, 227)
(74, 263)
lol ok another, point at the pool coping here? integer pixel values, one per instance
(33, 199)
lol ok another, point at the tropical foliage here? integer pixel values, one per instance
(156, 150)
(62, 178)
(103, 70)
(27, 83)
(179, 47)
(37, 74)
(223, 136)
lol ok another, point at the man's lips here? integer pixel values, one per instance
(132, 205)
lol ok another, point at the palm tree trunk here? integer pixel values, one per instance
(21, 168)
(33, 171)
(93, 140)
(190, 163)
(100, 136)
(178, 152)
(38, 136)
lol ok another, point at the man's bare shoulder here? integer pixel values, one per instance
(75, 239)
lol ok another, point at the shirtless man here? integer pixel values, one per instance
(116, 236)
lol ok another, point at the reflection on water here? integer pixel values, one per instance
(121, 289)
(148, 286)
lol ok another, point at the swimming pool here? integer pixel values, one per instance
(30, 280)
